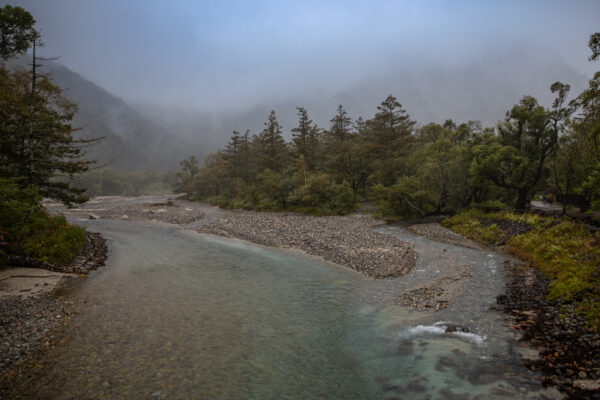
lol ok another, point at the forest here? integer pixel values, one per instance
(409, 169)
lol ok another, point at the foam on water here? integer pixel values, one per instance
(439, 329)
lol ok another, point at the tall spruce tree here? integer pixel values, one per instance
(340, 128)
(305, 139)
(390, 129)
(272, 148)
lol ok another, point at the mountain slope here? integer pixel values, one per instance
(130, 141)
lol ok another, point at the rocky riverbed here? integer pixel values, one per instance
(349, 240)
(435, 231)
(569, 350)
(30, 310)
(152, 208)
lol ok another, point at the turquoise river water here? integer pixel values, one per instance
(180, 315)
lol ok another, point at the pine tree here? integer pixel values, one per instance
(305, 139)
(341, 125)
(272, 147)
(301, 132)
(390, 130)
(237, 155)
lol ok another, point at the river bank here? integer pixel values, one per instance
(551, 296)
(568, 348)
(30, 310)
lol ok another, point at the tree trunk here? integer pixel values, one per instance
(522, 199)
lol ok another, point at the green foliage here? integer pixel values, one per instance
(50, 239)
(433, 169)
(272, 149)
(17, 205)
(36, 137)
(321, 195)
(471, 224)
(591, 188)
(570, 255)
(16, 31)
(36, 145)
(408, 197)
(27, 229)
(564, 251)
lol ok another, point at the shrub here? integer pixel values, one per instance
(321, 195)
(27, 229)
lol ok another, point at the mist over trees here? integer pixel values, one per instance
(406, 169)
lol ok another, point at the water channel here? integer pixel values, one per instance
(176, 314)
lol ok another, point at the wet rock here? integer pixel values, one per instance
(456, 328)
(569, 350)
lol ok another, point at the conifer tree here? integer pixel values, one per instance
(390, 130)
(37, 143)
(305, 139)
(272, 147)
(341, 125)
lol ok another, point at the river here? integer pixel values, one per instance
(177, 315)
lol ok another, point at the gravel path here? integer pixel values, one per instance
(349, 240)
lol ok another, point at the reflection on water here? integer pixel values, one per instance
(176, 314)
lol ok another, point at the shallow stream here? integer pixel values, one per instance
(178, 314)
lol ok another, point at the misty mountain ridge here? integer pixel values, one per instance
(131, 142)
(481, 90)
(151, 136)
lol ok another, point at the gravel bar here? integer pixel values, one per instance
(345, 240)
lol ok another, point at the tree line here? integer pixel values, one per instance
(407, 169)
(37, 151)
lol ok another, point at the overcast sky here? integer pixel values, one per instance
(211, 55)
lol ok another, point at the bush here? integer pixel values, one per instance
(405, 198)
(321, 195)
(51, 239)
(470, 224)
(26, 228)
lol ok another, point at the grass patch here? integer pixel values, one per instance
(564, 251)
(472, 224)
(570, 255)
